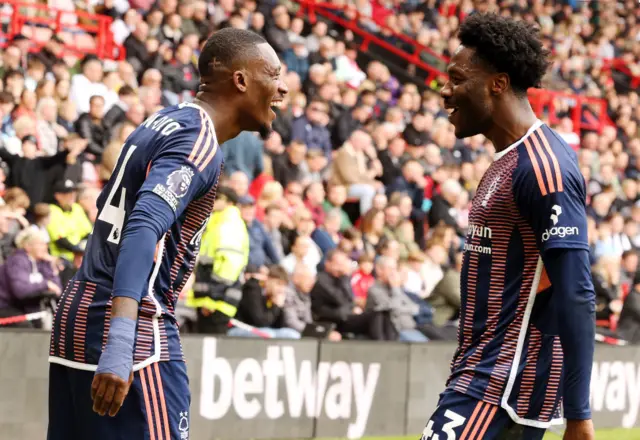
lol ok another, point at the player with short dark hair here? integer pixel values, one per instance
(115, 345)
(527, 323)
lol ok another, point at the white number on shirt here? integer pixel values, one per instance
(456, 420)
(114, 215)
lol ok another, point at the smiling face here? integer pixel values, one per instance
(265, 91)
(466, 94)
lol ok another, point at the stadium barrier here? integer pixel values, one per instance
(274, 389)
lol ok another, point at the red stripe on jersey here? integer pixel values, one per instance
(536, 167)
(64, 317)
(163, 405)
(107, 323)
(552, 155)
(529, 373)
(553, 382)
(199, 141)
(469, 312)
(487, 422)
(80, 322)
(209, 146)
(480, 421)
(147, 402)
(504, 361)
(545, 163)
(471, 421)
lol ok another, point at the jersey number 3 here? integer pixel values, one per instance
(114, 215)
(455, 420)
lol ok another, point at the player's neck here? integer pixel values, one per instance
(511, 124)
(225, 122)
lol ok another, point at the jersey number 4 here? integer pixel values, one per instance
(455, 420)
(114, 215)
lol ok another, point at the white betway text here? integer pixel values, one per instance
(253, 388)
(615, 387)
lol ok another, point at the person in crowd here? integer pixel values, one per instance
(313, 197)
(606, 282)
(273, 220)
(88, 84)
(224, 254)
(311, 129)
(336, 198)
(116, 115)
(239, 183)
(262, 251)
(28, 275)
(386, 295)
(355, 168)
(263, 307)
(301, 253)
(89, 126)
(297, 308)
(629, 323)
(287, 167)
(314, 168)
(362, 279)
(50, 133)
(332, 301)
(244, 153)
(69, 226)
(442, 210)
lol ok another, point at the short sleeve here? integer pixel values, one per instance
(556, 212)
(185, 169)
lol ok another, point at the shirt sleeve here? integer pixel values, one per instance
(175, 177)
(556, 212)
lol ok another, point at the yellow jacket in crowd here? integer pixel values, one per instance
(225, 245)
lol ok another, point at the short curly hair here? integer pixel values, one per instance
(228, 46)
(508, 46)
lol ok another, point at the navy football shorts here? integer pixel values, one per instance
(461, 417)
(156, 408)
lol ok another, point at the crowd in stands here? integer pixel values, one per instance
(347, 221)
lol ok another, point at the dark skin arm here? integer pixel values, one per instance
(108, 391)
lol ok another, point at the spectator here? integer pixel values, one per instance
(276, 33)
(89, 126)
(239, 183)
(261, 251)
(350, 168)
(297, 309)
(629, 323)
(311, 129)
(86, 85)
(272, 223)
(386, 295)
(327, 235)
(442, 210)
(362, 280)
(332, 301)
(28, 275)
(314, 168)
(301, 253)
(606, 282)
(224, 254)
(69, 226)
(288, 166)
(263, 307)
(117, 113)
(297, 58)
(337, 196)
(243, 153)
(313, 198)
(49, 131)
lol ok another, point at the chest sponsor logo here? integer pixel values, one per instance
(479, 231)
(253, 388)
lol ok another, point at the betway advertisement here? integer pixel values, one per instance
(299, 389)
(615, 387)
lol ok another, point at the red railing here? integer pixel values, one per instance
(39, 23)
(621, 66)
(325, 10)
(542, 101)
(545, 101)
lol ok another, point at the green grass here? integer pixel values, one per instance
(604, 434)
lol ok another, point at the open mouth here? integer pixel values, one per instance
(452, 110)
(276, 104)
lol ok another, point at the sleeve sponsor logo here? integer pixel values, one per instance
(558, 231)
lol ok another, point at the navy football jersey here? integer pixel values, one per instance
(174, 154)
(531, 199)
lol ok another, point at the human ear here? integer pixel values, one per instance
(240, 80)
(499, 83)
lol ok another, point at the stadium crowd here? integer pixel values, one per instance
(349, 220)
